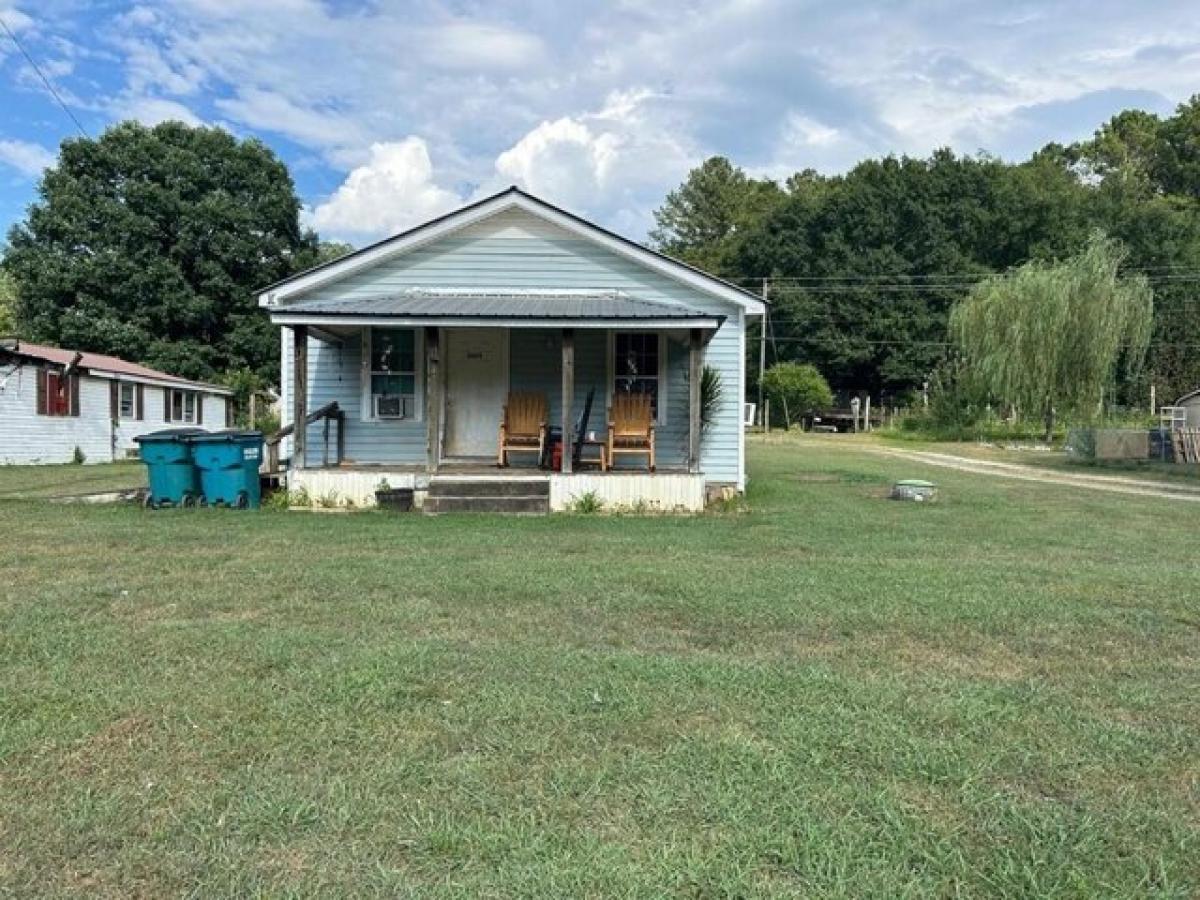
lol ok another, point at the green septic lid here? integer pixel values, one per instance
(916, 483)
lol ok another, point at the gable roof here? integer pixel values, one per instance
(101, 365)
(512, 197)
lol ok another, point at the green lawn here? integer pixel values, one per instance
(18, 482)
(832, 695)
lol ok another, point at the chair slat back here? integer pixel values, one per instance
(526, 412)
(632, 414)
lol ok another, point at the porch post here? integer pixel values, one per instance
(433, 399)
(695, 374)
(568, 392)
(299, 395)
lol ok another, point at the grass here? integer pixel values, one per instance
(832, 695)
(17, 482)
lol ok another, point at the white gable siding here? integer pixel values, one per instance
(27, 438)
(515, 250)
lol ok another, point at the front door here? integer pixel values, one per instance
(476, 390)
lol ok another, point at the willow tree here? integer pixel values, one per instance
(1049, 337)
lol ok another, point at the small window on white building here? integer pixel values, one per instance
(127, 400)
(182, 407)
(393, 374)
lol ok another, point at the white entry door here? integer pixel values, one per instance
(476, 363)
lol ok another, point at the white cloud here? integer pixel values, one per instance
(472, 46)
(805, 130)
(153, 110)
(14, 18)
(27, 158)
(610, 163)
(392, 191)
(275, 111)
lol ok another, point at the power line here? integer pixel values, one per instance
(904, 342)
(1155, 274)
(45, 80)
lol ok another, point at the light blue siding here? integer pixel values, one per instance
(514, 250)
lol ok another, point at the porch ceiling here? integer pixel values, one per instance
(549, 309)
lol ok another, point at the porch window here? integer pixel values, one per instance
(638, 367)
(393, 373)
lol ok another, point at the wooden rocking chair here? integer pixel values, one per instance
(523, 425)
(631, 427)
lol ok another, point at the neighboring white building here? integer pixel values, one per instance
(1191, 403)
(54, 402)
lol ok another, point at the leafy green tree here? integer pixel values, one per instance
(867, 265)
(796, 389)
(701, 221)
(148, 243)
(1145, 191)
(8, 300)
(327, 251)
(1048, 338)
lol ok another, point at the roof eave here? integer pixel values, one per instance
(96, 372)
(415, 321)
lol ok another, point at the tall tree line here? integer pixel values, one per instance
(866, 266)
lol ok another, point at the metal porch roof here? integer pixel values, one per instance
(450, 305)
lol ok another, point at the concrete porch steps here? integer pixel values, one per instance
(520, 496)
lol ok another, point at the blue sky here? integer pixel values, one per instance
(391, 112)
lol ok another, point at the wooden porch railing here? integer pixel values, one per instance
(328, 412)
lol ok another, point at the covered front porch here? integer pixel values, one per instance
(421, 392)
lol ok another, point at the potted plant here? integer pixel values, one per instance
(395, 499)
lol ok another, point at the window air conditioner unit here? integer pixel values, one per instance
(390, 406)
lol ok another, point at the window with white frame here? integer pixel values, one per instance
(181, 407)
(393, 373)
(639, 367)
(127, 400)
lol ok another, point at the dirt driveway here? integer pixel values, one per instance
(1112, 483)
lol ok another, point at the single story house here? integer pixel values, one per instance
(56, 404)
(422, 339)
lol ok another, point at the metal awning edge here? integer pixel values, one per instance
(285, 317)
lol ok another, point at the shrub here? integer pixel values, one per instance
(587, 503)
(796, 389)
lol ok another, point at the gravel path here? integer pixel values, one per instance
(1112, 483)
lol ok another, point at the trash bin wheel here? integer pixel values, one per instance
(189, 501)
(148, 502)
(242, 501)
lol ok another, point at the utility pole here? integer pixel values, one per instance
(762, 356)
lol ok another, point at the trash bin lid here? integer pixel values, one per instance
(915, 483)
(227, 434)
(168, 434)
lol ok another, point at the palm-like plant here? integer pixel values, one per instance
(710, 397)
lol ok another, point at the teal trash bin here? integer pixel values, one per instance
(228, 464)
(171, 477)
